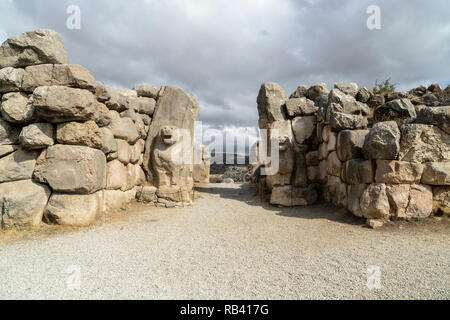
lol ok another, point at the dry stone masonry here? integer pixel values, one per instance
(380, 156)
(71, 148)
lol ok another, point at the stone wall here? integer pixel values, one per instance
(71, 148)
(380, 156)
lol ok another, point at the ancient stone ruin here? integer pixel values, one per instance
(380, 156)
(72, 149)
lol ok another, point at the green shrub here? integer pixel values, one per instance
(384, 87)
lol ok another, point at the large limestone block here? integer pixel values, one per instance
(147, 194)
(437, 116)
(69, 75)
(86, 134)
(383, 141)
(58, 104)
(337, 191)
(32, 48)
(146, 105)
(358, 171)
(9, 133)
(400, 111)
(342, 121)
(37, 136)
(146, 90)
(300, 107)
(334, 165)
(304, 128)
(22, 203)
(332, 141)
(109, 144)
(72, 169)
(374, 202)
(410, 201)
(364, 95)
(398, 172)
(17, 108)
(349, 88)
(124, 151)
(175, 193)
(300, 175)
(441, 200)
(323, 171)
(74, 209)
(7, 149)
(312, 158)
(202, 166)
(115, 200)
(271, 104)
(424, 143)
(287, 196)
(116, 175)
(436, 173)
(354, 194)
(11, 79)
(312, 173)
(315, 91)
(300, 92)
(18, 166)
(350, 144)
(174, 109)
(123, 128)
(347, 103)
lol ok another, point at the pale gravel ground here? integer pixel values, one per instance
(228, 246)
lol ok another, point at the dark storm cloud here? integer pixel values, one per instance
(222, 51)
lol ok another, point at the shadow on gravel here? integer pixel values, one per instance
(248, 193)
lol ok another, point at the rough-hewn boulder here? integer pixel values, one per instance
(58, 104)
(116, 175)
(271, 104)
(17, 108)
(312, 158)
(22, 203)
(341, 102)
(300, 92)
(37, 136)
(342, 121)
(410, 201)
(123, 151)
(349, 88)
(354, 194)
(109, 144)
(436, 173)
(316, 91)
(300, 107)
(11, 79)
(86, 134)
(287, 196)
(304, 128)
(400, 111)
(123, 128)
(9, 133)
(383, 141)
(350, 144)
(357, 171)
(364, 95)
(398, 172)
(437, 116)
(374, 202)
(147, 194)
(32, 48)
(146, 90)
(334, 165)
(70, 75)
(7, 149)
(72, 169)
(18, 165)
(74, 209)
(146, 105)
(424, 143)
(441, 200)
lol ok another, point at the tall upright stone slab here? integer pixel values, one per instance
(175, 109)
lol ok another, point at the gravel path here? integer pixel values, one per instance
(228, 246)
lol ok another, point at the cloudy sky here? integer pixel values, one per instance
(222, 50)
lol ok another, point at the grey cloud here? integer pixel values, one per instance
(222, 51)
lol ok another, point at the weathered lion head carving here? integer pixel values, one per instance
(284, 143)
(167, 135)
